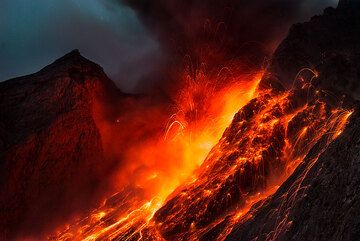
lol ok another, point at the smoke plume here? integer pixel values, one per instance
(213, 34)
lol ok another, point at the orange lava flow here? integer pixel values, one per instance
(204, 185)
(202, 111)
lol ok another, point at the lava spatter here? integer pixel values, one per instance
(265, 142)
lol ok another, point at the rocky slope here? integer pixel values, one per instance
(320, 201)
(51, 155)
(328, 44)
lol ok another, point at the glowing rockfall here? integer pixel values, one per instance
(266, 140)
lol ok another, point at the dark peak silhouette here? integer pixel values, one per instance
(51, 152)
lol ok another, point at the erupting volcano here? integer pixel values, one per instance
(265, 142)
(231, 147)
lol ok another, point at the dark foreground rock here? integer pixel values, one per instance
(51, 156)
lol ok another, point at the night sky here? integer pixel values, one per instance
(35, 33)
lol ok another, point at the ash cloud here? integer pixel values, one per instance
(182, 23)
(218, 32)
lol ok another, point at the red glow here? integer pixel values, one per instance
(279, 126)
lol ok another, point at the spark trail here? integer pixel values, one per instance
(263, 145)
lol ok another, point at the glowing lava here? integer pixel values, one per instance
(202, 111)
(265, 142)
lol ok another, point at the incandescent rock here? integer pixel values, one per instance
(320, 200)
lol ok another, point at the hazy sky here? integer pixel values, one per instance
(35, 33)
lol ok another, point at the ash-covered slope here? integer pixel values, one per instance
(320, 201)
(51, 155)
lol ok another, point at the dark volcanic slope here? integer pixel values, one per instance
(320, 201)
(328, 44)
(50, 148)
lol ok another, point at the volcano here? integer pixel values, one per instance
(285, 168)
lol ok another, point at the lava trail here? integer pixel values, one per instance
(263, 145)
(203, 109)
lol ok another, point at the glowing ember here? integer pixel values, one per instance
(265, 142)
